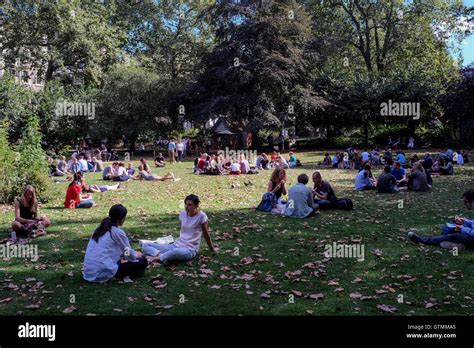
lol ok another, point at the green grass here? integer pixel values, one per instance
(276, 245)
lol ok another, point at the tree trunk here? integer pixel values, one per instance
(366, 131)
(49, 72)
(132, 141)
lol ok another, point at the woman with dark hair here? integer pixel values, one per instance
(73, 195)
(194, 224)
(107, 245)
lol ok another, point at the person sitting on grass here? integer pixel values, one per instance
(386, 182)
(335, 160)
(194, 225)
(281, 162)
(427, 162)
(90, 164)
(417, 179)
(274, 159)
(98, 164)
(108, 173)
(120, 173)
(130, 169)
(27, 220)
(326, 160)
(234, 168)
(293, 161)
(459, 235)
(401, 158)
(460, 158)
(144, 175)
(145, 165)
(400, 174)
(447, 169)
(363, 180)
(200, 164)
(262, 162)
(160, 160)
(300, 200)
(413, 160)
(95, 188)
(106, 247)
(62, 168)
(244, 165)
(75, 166)
(221, 165)
(277, 183)
(74, 199)
(323, 192)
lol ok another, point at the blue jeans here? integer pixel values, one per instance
(323, 204)
(168, 252)
(462, 238)
(86, 204)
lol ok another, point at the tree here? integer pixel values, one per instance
(458, 103)
(373, 47)
(15, 103)
(131, 103)
(75, 39)
(256, 74)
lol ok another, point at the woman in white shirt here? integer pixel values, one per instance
(194, 225)
(107, 245)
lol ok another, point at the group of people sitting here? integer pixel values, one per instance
(351, 159)
(110, 255)
(394, 179)
(118, 172)
(302, 201)
(218, 165)
(77, 163)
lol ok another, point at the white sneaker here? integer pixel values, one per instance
(127, 279)
(176, 179)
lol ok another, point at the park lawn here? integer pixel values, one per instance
(259, 253)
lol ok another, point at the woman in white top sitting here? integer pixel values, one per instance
(194, 225)
(106, 247)
(282, 163)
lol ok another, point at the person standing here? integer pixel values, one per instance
(171, 151)
(180, 150)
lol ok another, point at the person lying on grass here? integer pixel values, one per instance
(194, 225)
(144, 175)
(95, 188)
(459, 235)
(74, 198)
(27, 221)
(106, 247)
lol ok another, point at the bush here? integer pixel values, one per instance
(23, 164)
(7, 167)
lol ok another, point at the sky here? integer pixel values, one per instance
(468, 44)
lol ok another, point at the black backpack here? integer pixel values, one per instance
(344, 204)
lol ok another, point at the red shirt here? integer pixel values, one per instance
(73, 192)
(201, 164)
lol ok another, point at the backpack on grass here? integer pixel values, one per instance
(344, 204)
